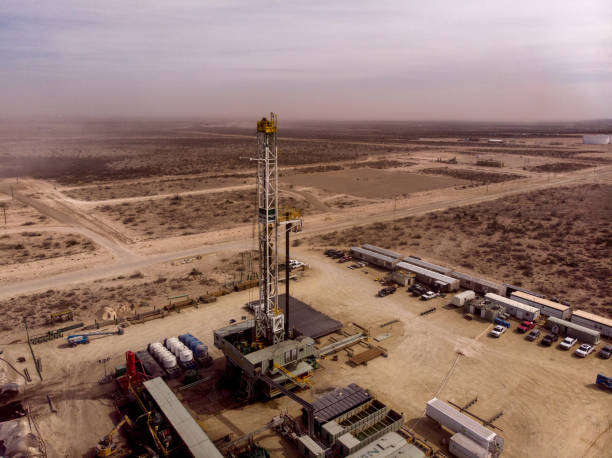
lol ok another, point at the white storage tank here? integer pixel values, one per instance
(596, 139)
(168, 360)
(186, 355)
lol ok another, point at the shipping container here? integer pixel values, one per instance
(592, 321)
(548, 308)
(455, 421)
(517, 309)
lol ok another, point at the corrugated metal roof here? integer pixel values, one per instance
(574, 326)
(540, 300)
(339, 401)
(390, 253)
(428, 265)
(391, 444)
(593, 317)
(471, 278)
(426, 272)
(511, 302)
(373, 254)
(196, 440)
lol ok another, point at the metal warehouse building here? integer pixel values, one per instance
(478, 285)
(548, 308)
(374, 258)
(514, 308)
(573, 330)
(592, 321)
(431, 278)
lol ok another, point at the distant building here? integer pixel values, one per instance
(596, 139)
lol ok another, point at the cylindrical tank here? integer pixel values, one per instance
(171, 342)
(185, 355)
(168, 360)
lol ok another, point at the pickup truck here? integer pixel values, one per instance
(525, 326)
(568, 343)
(428, 295)
(605, 352)
(533, 335)
(549, 339)
(497, 331)
(386, 291)
(603, 381)
(584, 350)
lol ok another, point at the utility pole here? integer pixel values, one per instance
(4, 210)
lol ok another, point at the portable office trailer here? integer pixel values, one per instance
(479, 285)
(570, 329)
(463, 447)
(431, 278)
(460, 299)
(517, 309)
(548, 308)
(592, 321)
(383, 251)
(427, 265)
(511, 288)
(374, 258)
(455, 421)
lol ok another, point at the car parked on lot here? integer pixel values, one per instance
(533, 335)
(605, 352)
(497, 331)
(568, 343)
(584, 350)
(525, 326)
(386, 291)
(428, 295)
(345, 258)
(549, 339)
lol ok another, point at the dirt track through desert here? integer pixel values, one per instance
(317, 225)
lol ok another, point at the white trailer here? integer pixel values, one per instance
(460, 299)
(462, 446)
(592, 321)
(548, 308)
(455, 421)
(515, 308)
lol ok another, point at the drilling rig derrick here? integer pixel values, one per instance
(269, 319)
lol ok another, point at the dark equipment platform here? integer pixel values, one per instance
(307, 321)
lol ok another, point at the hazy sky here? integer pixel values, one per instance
(474, 60)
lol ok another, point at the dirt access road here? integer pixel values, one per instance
(317, 224)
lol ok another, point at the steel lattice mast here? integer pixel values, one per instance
(269, 319)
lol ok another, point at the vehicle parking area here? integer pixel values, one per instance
(550, 403)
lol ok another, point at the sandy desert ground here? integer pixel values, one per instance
(166, 209)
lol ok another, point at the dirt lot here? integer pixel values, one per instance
(423, 358)
(32, 246)
(555, 241)
(156, 187)
(372, 183)
(185, 214)
(471, 175)
(18, 215)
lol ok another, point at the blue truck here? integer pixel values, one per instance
(79, 339)
(604, 382)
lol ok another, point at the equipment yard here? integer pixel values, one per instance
(149, 291)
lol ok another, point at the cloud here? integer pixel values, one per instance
(347, 59)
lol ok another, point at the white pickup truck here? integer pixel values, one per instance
(568, 343)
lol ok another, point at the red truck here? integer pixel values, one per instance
(525, 326)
